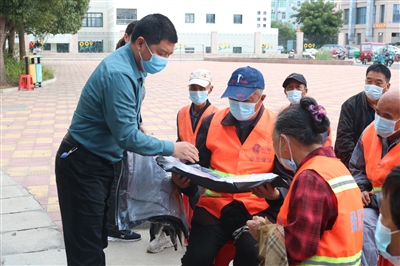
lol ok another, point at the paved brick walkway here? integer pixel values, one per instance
(34, 122)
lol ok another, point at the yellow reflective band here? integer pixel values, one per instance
(342, 183)
(377, 189)
(329, 261)
(210, 193)
(226, 174)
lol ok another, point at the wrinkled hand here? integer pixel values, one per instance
(186, 151)
(365, 197)
(143, 129)
(255, 224)
(266, 191)
(180, 181)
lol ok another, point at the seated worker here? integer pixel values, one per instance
(358, 111)
(235, 141)
(322, 212)
(188, 122)
(387, 234)
(295, 88)
(376, 153)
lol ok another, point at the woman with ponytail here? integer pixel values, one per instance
(321, 215)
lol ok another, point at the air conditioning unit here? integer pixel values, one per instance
(272, 10)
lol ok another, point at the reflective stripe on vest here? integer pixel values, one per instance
(230, 157)
(185, 128)
(321, 260)
(377, 168)
(342, 245)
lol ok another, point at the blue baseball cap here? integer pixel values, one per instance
(243, 83)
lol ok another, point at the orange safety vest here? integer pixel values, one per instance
(342, 245)
(186, 132)
(229, 156)
(378, 168)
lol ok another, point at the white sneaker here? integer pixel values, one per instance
(161, 242)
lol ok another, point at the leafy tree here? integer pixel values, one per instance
(319, 21)
(38, 17)
(286, 31)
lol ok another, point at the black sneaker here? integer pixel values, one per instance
(123, 235)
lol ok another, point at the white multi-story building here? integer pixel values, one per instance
(208, 26)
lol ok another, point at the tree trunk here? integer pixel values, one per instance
(11, 38)
(3, 22)
(21, 36)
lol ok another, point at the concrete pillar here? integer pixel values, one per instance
(214, 42)
(299, 43)
(26, 45)
(369, 22)
(341, 39)
(73, 47)
(352, 21)
(257, 43)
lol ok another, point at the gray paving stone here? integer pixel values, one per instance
(19, 204)
(31, 241)
(13, 192)
(6, 180)
(25, 220)
(47, 257)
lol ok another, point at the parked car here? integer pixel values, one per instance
(393, 49)
(281, 49)
(332, 48)
(351, 50)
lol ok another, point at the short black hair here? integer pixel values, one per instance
(154, 28)
(391, 188)
(379, 68)
(297, 121)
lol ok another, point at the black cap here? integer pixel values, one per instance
(299, 77)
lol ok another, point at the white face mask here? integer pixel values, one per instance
(384, 127)
(294, 96)
(383, 237)
(243, 111)
(288, 164)
(373, 92)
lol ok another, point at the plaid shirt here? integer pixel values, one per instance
(313, 209)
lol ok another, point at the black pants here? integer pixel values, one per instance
(111, 214)
(206, 240)
(83, 183)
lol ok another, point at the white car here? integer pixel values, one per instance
(394, 49)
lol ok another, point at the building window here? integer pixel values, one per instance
(92, 20)
(382, 14)
(358, 38)
(283, 15)
(189, 50)
(347, 38)
(258, 25)
(237, 19)
(237, 50)
(273, 4)
(47, 46)
(264, 13)
(189, 18)
(298, 3)
(346, 16)
(210, 18)
(374, 14)
(258, 12)
(273, 16)
(62, 47)
(264, 25)
(258, 19)
(264, 19)
(126, 16)
(282, 3)
(396, 13)
(208, 49)
(361, 15)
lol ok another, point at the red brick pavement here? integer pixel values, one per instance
(34, 122)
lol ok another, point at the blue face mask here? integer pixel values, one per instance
(373, 92)
(383, 237)
(294, 96)
(242, 111)
(155, 64)
(288, 164)
(384, 127)
(198, 97)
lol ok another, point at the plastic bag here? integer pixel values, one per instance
(146, 192)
